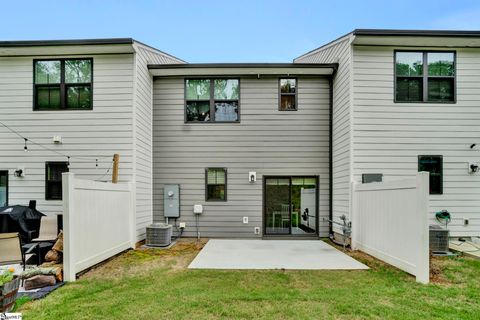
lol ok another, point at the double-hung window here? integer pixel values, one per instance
(53, 179)
(212, 100)
(434, 165)
(216, 184)
(424, 76)
(288, 94)
(63, 84)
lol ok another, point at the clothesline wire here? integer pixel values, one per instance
(51, 150)
(106, 172)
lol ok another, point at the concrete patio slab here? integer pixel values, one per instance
(468, 248)
(273, 254)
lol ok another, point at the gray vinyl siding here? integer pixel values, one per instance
(267, 141)
(143, 132)
(389, 136)
(101, 132)
(339, 51)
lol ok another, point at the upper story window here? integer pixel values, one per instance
(424, 76)
(63, 84)
(288, 94)
(212, 100)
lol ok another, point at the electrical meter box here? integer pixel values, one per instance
(171, 201)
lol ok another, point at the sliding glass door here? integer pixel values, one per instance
(277, 205)
(290, 205)
(3, 188)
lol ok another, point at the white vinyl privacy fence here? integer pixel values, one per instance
(98, 222)
(390, 222)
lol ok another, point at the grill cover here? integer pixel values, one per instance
(22, 219)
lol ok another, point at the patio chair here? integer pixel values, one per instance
(46, 235)
(285, 212)
(11, 249)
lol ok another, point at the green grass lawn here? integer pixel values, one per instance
(154, 284)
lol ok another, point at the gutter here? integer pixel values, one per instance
(242, 69)
(416, 33)
(244, 65)
(45, 43)
(330, 154)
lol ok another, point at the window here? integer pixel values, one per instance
(63, 84)
(53, 179)
(434, 165)
(212, 100)
(424, 76)
(216, 184)
(3, 188)
(288, 94)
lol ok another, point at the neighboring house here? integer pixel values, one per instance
(391, 120)
(94, 94)
(267, 149)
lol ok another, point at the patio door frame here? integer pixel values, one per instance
(6, 189)
(264, 207)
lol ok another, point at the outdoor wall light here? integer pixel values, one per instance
(473, 167)
(19, 172)
(252, 176)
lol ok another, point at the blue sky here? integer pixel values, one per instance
(228, 31)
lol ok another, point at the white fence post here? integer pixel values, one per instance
(133, 213)
(354, 217)
(423, 263)
(68, 189)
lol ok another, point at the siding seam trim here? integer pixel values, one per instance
(134, 139)
(350, 125)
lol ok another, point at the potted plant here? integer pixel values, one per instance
(9, 284)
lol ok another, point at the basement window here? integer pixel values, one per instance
(288, 94)
(216, 184)
(434, 165)
(425, 76)
(63, 84)
(212, 100)
(53, 179)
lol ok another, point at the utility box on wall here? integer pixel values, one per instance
(171, 201)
